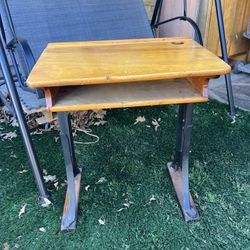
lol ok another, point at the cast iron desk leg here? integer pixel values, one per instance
(72, 172)
(43, 194)
(178, 169)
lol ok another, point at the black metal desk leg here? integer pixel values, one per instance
(179, 168)
(179, 138)
(43, 194)
(223, 44)
(72, 172)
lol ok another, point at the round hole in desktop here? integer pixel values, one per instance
(178, 43)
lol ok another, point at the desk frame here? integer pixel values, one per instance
(178, 168)
(72, 171)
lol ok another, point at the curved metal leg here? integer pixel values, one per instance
(43, 193)
(179, 168)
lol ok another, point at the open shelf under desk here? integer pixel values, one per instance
(123, 95)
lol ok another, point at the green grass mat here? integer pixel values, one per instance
(133, 159)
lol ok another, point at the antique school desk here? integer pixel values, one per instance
(126, 73)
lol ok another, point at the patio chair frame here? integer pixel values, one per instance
(43, 193)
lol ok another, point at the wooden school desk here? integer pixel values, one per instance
(126, 73)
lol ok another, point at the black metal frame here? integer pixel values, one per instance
(43, 193)
(15, 106)
(155, 23)
(230, 97)
(179, 168)
(18, 77)
(25, 50)
(29, 60)
(72, 171)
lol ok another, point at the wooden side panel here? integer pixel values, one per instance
(236, 14)
(50, 96)
(201, 85)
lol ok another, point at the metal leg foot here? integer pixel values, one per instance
(179, 168)
(44, 201)
(69, 218)
(73, 174)
(190, 213)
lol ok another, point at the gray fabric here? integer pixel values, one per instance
(46, 21)
(28, 100)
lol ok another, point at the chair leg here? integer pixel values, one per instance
(223, 44)
(230, 97)
(179, 168)
(72, 172)
(43, 193)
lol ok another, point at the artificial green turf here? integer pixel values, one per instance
(133, 159)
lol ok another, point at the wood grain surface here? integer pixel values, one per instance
(124, 95)
(85, 63)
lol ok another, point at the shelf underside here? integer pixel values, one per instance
(123, 95)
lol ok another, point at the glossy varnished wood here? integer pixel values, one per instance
(124, 95)
(85, 63)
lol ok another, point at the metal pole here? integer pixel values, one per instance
(156, 12)
(185, 8)
(225, 58)
(43, 194)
